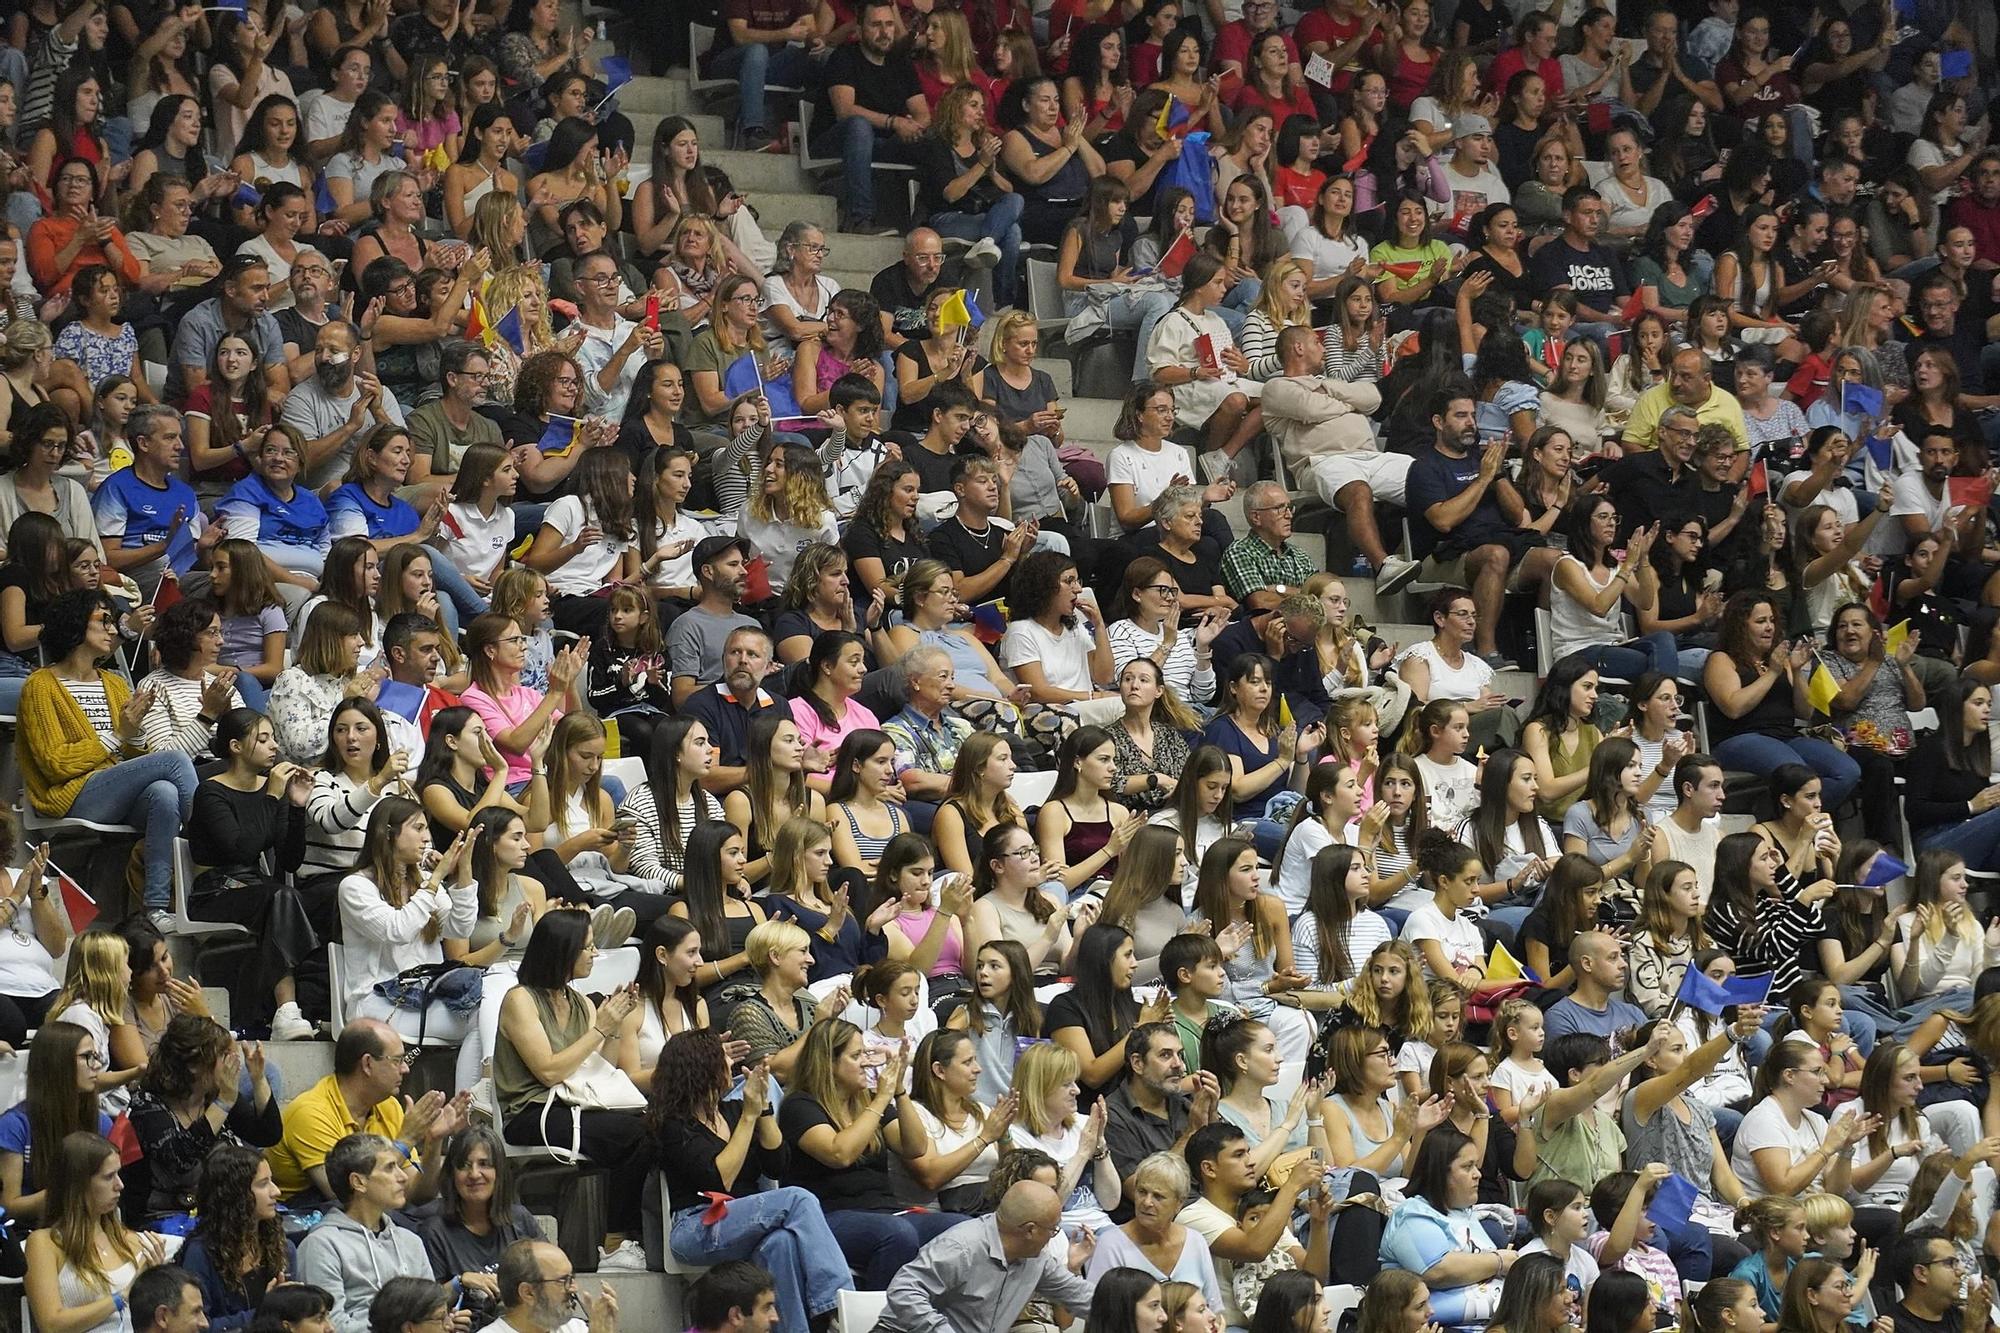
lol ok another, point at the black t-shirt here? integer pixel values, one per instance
(297, 329)
(900, 298)
(862, 1187)
(964, 551)
(1124, 147)
(1953, 1321)
(1794, 268)
(933, 469)
(1065, 1012)
(861, 541)
(885, 89)
(37, 610)
(1596, 275)
(937, 167)
(1200, 576)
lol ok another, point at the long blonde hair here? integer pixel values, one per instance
(1267, 304)
(955, 61)
(1335, 642)
(1412, 1017)
(504, 291)
(796, 836)
(1860, 306)
(1043, 1068)
(92, 976)
(813, 1076)
(572, 730)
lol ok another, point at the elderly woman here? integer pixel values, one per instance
(1153, 1242)
(774, 1020)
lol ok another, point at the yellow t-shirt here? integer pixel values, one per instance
(315, 1121)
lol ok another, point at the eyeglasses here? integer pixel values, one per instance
(567, 1280)
(408, 1059)
(93, 1059)
(1284, 508)
(513, 638)
(815, 248)
(604, 280)
(1170, 590)
(1380, 1052)
(1463, 613)
(406, 287)
(1025, 854)
(566, 381)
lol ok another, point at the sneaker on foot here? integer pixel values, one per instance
(1499, 661)
(781, 144)
(629, 1257)
(1215, 465)
(288, 1024)
(612, 926)
(755, 139)
(160, 919)
(982, 254)
(1395, 573)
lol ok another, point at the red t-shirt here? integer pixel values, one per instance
(1251, 97)
(1334, 30)
(1809, 382)
(1513, 60)
(1296, 189)
(1232, 44)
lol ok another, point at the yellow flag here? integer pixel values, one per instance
(1165, 112)
(1821, 689)
(953, 314)
(1504, 966)
(1284, 711)
(1898, 634)
(437, 159)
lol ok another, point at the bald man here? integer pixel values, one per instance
(1597, 1004)
(1690, 384)
(536, 1284)
(977, 1277)
(902, 288)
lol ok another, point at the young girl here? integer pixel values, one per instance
(1559, 1215)
(1391, 997)
(1333, 801)
(1607, 825)
(1204, 810)
(774, 787)
(629, 679)
(1726, 1305)
(1509, 836)
(1940, 949)
(1187, 1309)
(1002, 1015)
(1518, 1072)
(668, 534)
(1708, 325)
(522, 595)
(1639, 367)
(224, 417)
(1568, 908)
(1334, 936)
(801, 861)
(587, 541)
(1549, 337)
(1814, 1008)
(859, 804)
(477, 530)
(1080, 828)
(1297, 180)
(93, 998)
(253, 617)
(1776, 1225)
(1450, 946)
(1437, 741)
(1393, 828)
(894, 991)
(1227, 891)
(1416, 1056)
(1670, 932)
(1353, 727)
(425, 116)
(930, 939)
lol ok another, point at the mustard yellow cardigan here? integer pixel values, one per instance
(55, 744)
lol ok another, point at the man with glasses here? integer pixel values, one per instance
(1689, 383)
(1927, 1267)
(339, 407)
(360, 1096)
(1262, 565)
(538, 1292)
(444, 428)
(312, 288)
(1721, 498)
(242, 307)
(1658, 486)
(978, 1276)
(903, 288)
(613, 347)
(357, 1248)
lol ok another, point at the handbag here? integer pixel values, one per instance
(453, 984)
(596, 1085)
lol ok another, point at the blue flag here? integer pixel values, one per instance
(559, 436)
(1955, 64)
(743, 376)
(1673, 1202)
(1712, 997)
(1861, 400)
(617, 72)
(1907, 8)
(1884, 869)
(509, 328)
(1880, 448)
(180, 550)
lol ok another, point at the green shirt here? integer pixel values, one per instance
(1190, 1033)
(705, 354)
(432, 433)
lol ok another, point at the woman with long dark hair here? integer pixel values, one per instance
(239, 1249)
(670, 1002)
(1094, 1020)
(1951, 800)
(63, 1067)
(1756, 685)
(1435, 1235)
(83, 1261)
(716, 899)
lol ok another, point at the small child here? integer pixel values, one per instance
(1191, 965)
(1518, 1071)
(1438, 738)
(855, 447)
(1639, 367)
(1246, 1281)
(1003, 998)
(1560, 1219)
(1413, 1061)
(893, 990)
(1776, 1225)
(1547, 340)
(629, 679)
(1820, 332)
(522, 595)
(1830, 1227)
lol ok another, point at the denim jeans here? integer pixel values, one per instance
(458, 600)
(1002, 225)
(1634, 658)
(1976, 839)
(155, 792)
(877, 1244)
(781, 1231)
(255, 693)
(860, 147)
(755, 64)
(1839, 775)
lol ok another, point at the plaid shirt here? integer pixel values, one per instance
(1250, 564)
(927, 746)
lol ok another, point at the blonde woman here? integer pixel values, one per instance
(1047, 1121)
(519, 290)
(499, 227)
(82, 1264)
(841, 1133)
(93, 994)
(1283, 304)
(734, 327)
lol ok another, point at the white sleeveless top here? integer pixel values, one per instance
(1572, 626)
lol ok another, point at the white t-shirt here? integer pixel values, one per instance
(1065, 658)
(1330, 256)
(1081, 1210)
(1463, 945)
(1468, 680)
(1147, 471)
(1293, 882)
(591, 568)
(473, 542)
(1892, 1187)
(1914, 497)
(1207, 1221)
(1519, 1081)
(326, 115)
(677, 571)
(1765, 1127)
(1453, 790)
(1579, 1265)
(1470, 194)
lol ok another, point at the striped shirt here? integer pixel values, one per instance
(1777, 944)
(654, 855)
(1364, 362)
(336, 823)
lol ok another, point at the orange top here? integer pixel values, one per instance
(46, 240)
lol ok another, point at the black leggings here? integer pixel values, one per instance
(613, 1140)
(21, 1014)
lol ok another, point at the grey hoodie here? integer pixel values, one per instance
(344, 1257)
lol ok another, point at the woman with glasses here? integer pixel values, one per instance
(1784, 1145)
(1149, 627)
(407, 336)
(548, 1030)
(797, 293)
(74, 236)
(63, 1068)
(476, 1215)
(84, 751)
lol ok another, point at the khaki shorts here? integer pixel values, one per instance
(1452, 572)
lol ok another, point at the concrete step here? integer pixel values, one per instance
(777, 208)
(853, 252)
(755, 173)
(653, 95)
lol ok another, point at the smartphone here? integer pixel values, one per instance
(624, 824)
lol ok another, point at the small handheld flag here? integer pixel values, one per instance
(1881, 451)
(1822, 689)
(1355, 163)
(80, 906)
(960, 311)
(1672, 1205)
(1955, 64)
(1860, 399)
(1165, 117)
(1702, 207)
(1882, 870)
(478, 328)
(180, 549)
(435, 158)
(617, 71)
(559, 437)
(1760, 479)
(1284, 711)
(510, 331)
(1898, 635)
(1712, 997)
(1504, 966)
(167, 593)
(1974, 491)
(1635, 305)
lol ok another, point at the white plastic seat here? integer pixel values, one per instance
(860, 1311)
(669, 1263)
(178, 920)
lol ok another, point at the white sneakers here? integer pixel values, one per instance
(288, 1024)
(629, 1257)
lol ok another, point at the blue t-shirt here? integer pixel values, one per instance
(352, 512)
(131, 513)
(15, 1136)
(1620, 1015)
(1224, 733)
(1434, 478)
(292, 532)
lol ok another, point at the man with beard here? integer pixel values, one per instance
(240, 308)
(444, 428)
(1146, 1114)
(301, 321)
(338, 407)
(538, 1287)
(1923, 506)
(878, 109)
(699, 635)
(729, 706)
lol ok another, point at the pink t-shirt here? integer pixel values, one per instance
(813, 731)
(507, 712)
